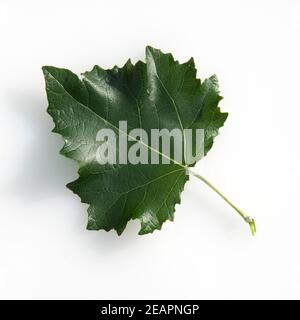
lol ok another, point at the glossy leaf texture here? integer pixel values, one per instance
(160, 93)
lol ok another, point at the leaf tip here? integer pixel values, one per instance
(46, 69)
(148, 48)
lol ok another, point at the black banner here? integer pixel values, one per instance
(151, 309)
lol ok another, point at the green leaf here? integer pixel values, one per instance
(161, 93)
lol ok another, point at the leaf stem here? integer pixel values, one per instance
(245, 217)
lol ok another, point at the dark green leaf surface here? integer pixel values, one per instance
(160, 93)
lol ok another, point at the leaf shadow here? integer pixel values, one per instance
(42, 172)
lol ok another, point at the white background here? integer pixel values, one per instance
(208, 252)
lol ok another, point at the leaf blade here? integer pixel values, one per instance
(160, 93)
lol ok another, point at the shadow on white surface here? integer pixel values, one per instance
(40, 170)
(42, 173)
